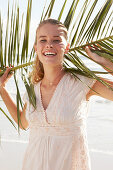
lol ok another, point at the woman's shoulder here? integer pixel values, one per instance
(70, 80)
(77, 77)
(78, 81)
(74, 78)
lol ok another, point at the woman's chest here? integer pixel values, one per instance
(46, 95)
(61, 105)
(61, 109)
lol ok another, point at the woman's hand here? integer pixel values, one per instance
(95, 57)
(107, 64)
(5, 77)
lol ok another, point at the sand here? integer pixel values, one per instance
(12, 154)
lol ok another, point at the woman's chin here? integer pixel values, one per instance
(50, 60)
(51, 63)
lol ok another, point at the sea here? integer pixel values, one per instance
(99, 122)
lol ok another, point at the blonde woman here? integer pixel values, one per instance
(58, 125)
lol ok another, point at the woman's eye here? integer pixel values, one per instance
(56, 41)
(42, 40)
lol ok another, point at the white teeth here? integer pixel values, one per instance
(49, 53)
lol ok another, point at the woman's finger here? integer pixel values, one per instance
(9, 76)
(5, 75)
(7, 70)
(88, 51)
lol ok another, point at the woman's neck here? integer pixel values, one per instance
(52, 75)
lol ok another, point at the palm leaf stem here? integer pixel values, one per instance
(88, 44)
(18, 67)
(31, 63)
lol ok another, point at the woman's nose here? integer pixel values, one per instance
(49, 45)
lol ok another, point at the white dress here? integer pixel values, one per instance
(61, 144)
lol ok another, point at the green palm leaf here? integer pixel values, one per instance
(12, 49)
(62, 10)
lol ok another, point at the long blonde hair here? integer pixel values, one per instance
(38, 71)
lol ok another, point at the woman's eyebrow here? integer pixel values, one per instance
(42, 36)
(56, 36)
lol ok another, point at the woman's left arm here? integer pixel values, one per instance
(101, 90)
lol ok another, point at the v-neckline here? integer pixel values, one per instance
(40, 95)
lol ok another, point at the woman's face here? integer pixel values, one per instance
(51, 44)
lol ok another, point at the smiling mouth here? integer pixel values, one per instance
(48, 54)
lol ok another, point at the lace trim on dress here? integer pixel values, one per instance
(84, 153)
(80, 156)
(45, 110)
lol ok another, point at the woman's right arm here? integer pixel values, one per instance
(9, 102)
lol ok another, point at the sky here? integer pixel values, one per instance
(37, 7)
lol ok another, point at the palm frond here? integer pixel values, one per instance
(11, 53)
